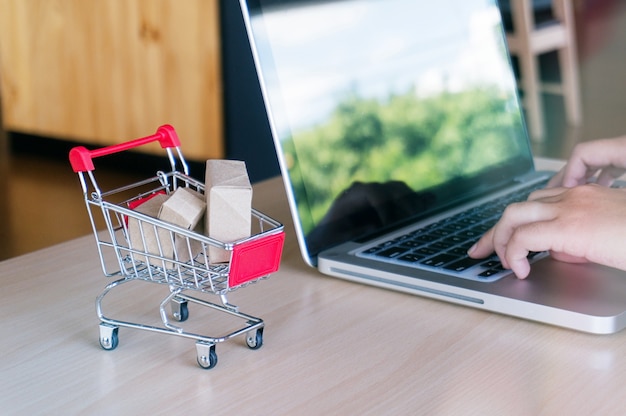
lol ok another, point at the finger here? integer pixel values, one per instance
(579, 167)
(565, 177)
(514, 216)
(537, 236)
(589, 157)
(518, 215)
(575, 172)
(483, 247)
(608, 175)
(546, 194)
(556, 180)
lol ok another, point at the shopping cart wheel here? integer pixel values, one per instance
(255, 341)
(180, 309)
(207, 357)
(108, 336)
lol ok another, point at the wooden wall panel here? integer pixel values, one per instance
(105, 71)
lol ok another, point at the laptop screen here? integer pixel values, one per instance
(385, 110)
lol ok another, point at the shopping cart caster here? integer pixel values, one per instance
(207, 357)
(180, 309)
(255, 341)
(108, 336)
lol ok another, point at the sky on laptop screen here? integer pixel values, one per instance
(417, 92)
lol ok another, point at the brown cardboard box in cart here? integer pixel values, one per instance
(229, 204)
(184, 208)
(143, 231)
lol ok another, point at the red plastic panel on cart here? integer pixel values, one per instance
(255, 259)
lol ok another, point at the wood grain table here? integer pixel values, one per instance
(330, 347)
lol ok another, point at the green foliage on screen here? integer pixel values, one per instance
(421, 141)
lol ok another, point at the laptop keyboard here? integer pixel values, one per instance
(442, 246)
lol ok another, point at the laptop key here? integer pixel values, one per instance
(411, 243)
(471, 233)
(457, 226)
(492, 264)
(426, 238)
(392, 252)
(439, 260)
(456, 239)
(443, 232)
(427, 251)
(459, 251)
(463, 264)
(372, 250)
(441, 245)
(489, 272)
(411, 257)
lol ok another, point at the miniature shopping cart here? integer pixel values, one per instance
(175, 257)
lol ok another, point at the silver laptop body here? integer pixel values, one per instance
(394, 121)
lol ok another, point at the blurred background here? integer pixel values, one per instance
(95, 73)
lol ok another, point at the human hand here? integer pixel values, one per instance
(584, 223)
(605, 159)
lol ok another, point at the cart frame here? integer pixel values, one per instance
(170, 255)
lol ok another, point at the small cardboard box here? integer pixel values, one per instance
(184, 208)
(229, 204)
(136, 228)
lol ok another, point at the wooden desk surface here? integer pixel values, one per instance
(330, 347)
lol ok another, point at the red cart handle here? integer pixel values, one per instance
(81, 157)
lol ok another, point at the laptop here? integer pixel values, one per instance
(401, 138)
